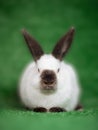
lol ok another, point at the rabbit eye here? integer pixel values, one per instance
(58, 70)
(38, 70)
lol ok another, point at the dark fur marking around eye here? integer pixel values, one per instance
(58, 70)
(38, 70)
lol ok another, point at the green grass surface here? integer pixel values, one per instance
(47, 21)
(28, 120)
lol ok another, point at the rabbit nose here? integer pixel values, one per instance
(48, 76)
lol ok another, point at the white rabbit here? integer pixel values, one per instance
(49, 83)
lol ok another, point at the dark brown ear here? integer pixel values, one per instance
(63, 45)
(33, 45)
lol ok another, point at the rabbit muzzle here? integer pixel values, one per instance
(48, 80)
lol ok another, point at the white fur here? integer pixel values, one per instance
(68, 90)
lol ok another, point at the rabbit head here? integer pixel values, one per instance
(48, 65)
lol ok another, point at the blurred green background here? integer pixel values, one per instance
(47, 21)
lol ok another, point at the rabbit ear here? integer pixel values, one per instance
(63, 45)
(33, 45)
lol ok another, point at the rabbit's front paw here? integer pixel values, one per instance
(56, 109)
(40, 109)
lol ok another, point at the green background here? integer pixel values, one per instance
(47, 21)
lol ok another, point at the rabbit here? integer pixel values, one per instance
(49, 83)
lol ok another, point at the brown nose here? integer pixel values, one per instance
(48, 77)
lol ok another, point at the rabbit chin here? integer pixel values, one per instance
(48, 89)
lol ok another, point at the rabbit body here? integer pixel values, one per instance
(65, 96)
